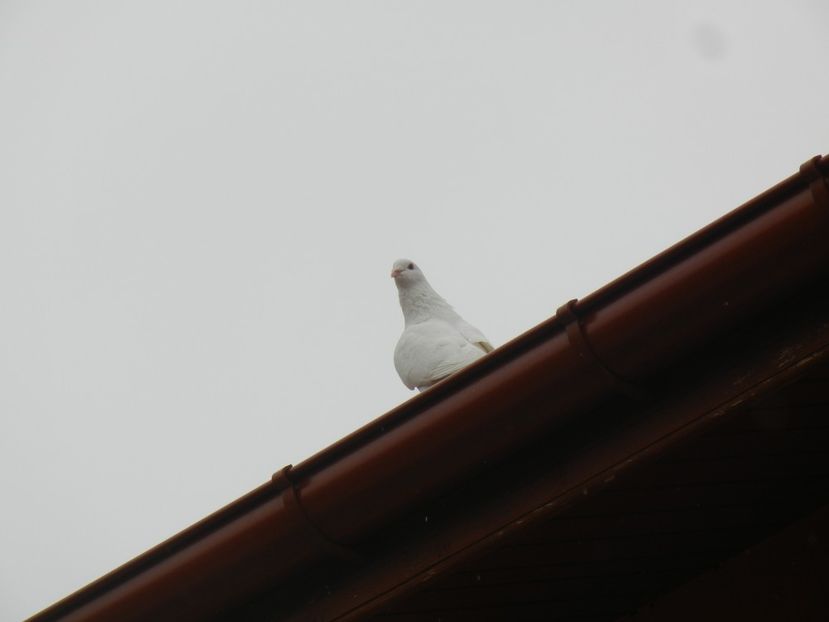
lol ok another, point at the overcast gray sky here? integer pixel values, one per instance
(200, 203)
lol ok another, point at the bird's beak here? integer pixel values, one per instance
(396, 273)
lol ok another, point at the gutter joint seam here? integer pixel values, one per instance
(567, 317)
(814, 176)
(293, 505)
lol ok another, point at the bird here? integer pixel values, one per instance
(436, 341)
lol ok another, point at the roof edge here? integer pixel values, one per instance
(357, 484)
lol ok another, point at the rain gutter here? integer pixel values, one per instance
(611, 342)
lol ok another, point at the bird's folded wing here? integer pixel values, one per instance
(456, 358)
(474, 336)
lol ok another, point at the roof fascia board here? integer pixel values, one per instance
(727, 272)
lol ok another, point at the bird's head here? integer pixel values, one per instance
(405, 272)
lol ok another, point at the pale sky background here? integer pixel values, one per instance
(200, 203)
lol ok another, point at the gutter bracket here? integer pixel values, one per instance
(293, 505)
(814, 176)
(566, 315)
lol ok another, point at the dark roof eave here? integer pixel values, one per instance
(738, 265)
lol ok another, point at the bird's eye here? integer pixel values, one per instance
(411, 266)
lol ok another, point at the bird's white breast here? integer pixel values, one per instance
(429, 351)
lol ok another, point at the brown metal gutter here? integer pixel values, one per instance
(629, 330)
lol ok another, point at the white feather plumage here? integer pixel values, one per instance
(436, 341)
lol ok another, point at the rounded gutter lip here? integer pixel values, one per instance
(434, 439)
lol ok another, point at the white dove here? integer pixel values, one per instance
(436, 342)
